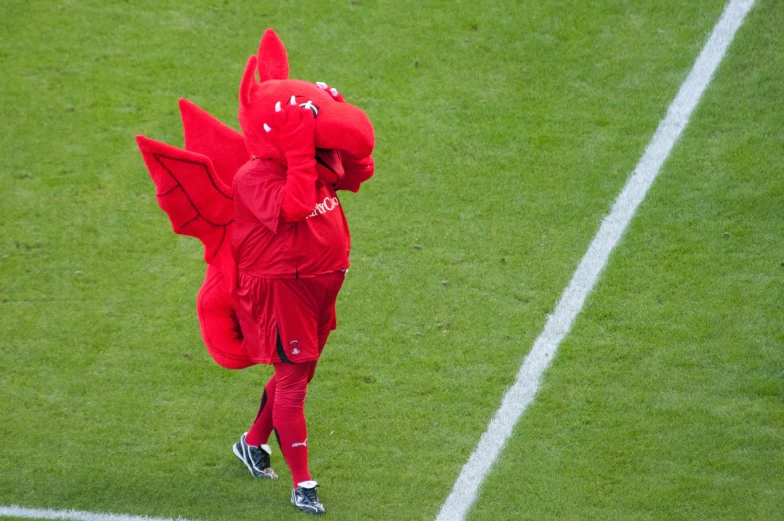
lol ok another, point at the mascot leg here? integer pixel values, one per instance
(252, 448)
(262, 426)
(288, 416)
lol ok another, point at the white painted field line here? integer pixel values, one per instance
(74, 515)
(523, 392)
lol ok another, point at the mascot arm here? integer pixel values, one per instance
(270, 197)
(357, 171)
(299, 198)
(294, 132)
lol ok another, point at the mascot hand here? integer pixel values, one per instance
(295, 134)
(294, 130)
(331, 91)
(357, 171)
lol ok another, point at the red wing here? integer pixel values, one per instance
(197, 201)
(206, 135)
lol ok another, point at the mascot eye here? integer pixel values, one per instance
(309, 105)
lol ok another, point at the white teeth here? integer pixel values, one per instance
(293, 100)
(334, 92)
(277, 107)
(267, 128)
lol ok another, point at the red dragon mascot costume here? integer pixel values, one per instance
(275, 239)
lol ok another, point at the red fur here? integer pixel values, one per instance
(273, 62)
(339, 125)
(193, 185)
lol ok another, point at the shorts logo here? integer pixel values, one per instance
(294, 348)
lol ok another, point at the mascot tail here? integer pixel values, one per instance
(194, 189)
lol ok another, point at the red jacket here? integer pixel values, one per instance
(286, 228)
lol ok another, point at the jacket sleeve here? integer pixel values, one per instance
(262, 196)
(299, 197)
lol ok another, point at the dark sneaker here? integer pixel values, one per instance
(257, 459)
(305, 498)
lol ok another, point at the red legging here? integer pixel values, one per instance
(283, 408)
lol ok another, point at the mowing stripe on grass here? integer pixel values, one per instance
(74, 515)
(558, 324)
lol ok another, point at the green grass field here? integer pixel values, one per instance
(504, 132)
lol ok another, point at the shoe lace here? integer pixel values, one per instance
(257, 455)
(310, 494)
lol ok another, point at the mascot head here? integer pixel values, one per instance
(339, 125)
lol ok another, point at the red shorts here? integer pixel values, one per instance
(286, 320)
